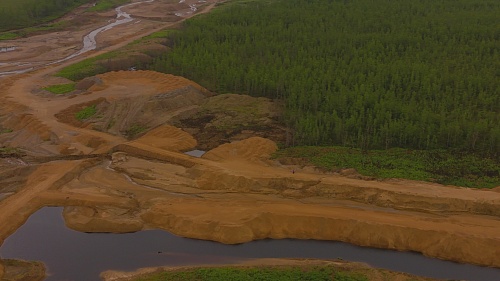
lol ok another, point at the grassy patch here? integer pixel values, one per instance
(5, 131)
(10, 152)
(8, 36)
(61, 89)
(46, 27)
(104, 5)
(162, 34)
(439, 166)
(57, 26)
(85, 68)
(244, 274)
(86, 113)
(135, 129)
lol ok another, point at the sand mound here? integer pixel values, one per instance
(168, 138)
(161, 82)
(252, 149)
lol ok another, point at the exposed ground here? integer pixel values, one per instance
(123, 169)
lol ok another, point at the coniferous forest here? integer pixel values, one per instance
(370, 74)
(22, 13)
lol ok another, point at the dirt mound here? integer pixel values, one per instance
(110, 219)
(229, 117)
(129, 103)
(68, 115)
(254, 149)
(19, 270)
(160, 81)
(88, 82)
(235, 222)
(168, 138)
(13, 175)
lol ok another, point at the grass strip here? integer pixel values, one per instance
(61, 89)
(247, 274)
(441, 166)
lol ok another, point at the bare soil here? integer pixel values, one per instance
(23, 270)
(124, 169)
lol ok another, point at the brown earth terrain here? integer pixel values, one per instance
(124, 170)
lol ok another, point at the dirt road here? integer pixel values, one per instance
(233, 194)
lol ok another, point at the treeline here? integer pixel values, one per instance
(367, 73)
(15, 14)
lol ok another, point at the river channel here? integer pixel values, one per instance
(76, 256)
(89, 41)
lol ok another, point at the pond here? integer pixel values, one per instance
(72, 255)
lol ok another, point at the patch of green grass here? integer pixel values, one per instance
(85, 68)
(439, 166)
(135, 130)
(10, 152)
(5, 131)
(86, 113)
(35, 29)
(61, 89)
(104, 5)
(247, 274)
(162, 34)
(8, 36)
(46, 27)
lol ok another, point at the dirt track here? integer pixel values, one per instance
(233, 194)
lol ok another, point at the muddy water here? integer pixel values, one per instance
(71, 255)
(195, 153)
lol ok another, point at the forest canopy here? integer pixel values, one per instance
(371, 74)
(16, 14)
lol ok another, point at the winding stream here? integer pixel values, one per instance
(89, 41)
(72, 255)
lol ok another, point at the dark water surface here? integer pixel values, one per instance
(76, 256)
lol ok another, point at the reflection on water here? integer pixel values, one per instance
(195, 153)
(71, 255)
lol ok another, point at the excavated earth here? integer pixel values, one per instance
(111, 181)
(124, 169)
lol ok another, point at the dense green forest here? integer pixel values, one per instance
(370, 74)
(16, 14)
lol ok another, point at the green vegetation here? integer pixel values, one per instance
(5, 131)
(15, 14)
(86, 113)
(254, 274)
(61, 89)
(441, 166)
(8, 36)
(33, 30)
(10, 152)
(162, 34)
(135, 130)
(365, 74)
(85, 68)
(103, 5)
(132, 54)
